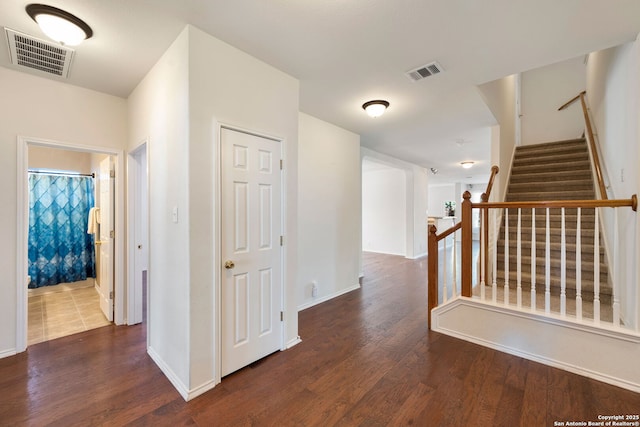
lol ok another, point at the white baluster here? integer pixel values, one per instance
(547, 269)
(483, 255)
(533, 259)
(596, 268)
(616, 269)
(454, 284)
(563, 265)
(445, 277)
(506, 256)
(579, 266)
(494, 278)
(519, 260)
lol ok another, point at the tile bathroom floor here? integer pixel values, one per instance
(61, 310)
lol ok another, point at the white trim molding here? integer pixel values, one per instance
(22, 200)
(327, 297)
(606, 354)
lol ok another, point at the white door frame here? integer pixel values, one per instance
(22, 245)
(218, 245)
(134, 221)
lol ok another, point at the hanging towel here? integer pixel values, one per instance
(94, 220)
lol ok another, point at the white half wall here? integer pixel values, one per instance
(608, 355)
(44, 109)
(329, 209)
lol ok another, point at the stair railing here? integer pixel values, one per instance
(485, 224)
(467, 286)
(592, 141)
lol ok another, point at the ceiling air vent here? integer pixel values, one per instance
(30, 52)
(425, 71)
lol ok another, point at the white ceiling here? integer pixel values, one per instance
(346, 52)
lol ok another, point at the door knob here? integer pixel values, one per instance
(229, 264)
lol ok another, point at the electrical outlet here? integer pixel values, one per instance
(622, 175)
(174, 215)
(314, 289)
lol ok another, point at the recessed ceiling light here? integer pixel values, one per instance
(375, 108)
(59, 25)
(467, 165)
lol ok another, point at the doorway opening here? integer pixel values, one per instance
(69, 299)
(64, 244)
(138, 235)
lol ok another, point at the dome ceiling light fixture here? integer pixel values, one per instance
(375, 108)
(59, 25)
(467, 164)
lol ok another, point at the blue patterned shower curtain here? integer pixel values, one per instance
(60, 250)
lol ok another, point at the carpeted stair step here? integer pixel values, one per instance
(549, 167)
(559, 147)
(548, 172)
(533, 195)
(587, 288)
(555, 250)
(551, 159)
(551, 186)
(518, 176)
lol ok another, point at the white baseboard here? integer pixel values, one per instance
(417, 256)
(171, 376)
(383, 253)
(292, 342)
(201, 390)
(7, 353)
(327, 297)
(611, 357)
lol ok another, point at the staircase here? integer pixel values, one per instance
(544, 172)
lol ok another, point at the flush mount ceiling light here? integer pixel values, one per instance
(375, 108)
(59, 25)
(466, 165)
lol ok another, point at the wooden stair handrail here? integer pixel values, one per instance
(572, 100)
(592, 141)
(613, 203)
(494, 171)
(485, 215)
(466, 240)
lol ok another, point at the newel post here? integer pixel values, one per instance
(465, 258)
(432, 273)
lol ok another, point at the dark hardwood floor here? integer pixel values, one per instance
(367, 358)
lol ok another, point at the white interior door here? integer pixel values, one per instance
(251, 249)
(105, 275)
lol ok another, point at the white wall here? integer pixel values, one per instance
(65, 160)
(384, 210)
(417, 191)
(500, 97)
(613, 94)
(329, 209)
(41, 108)
(544, 90)
(159, 109)
(197, 85)
(438, 195)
